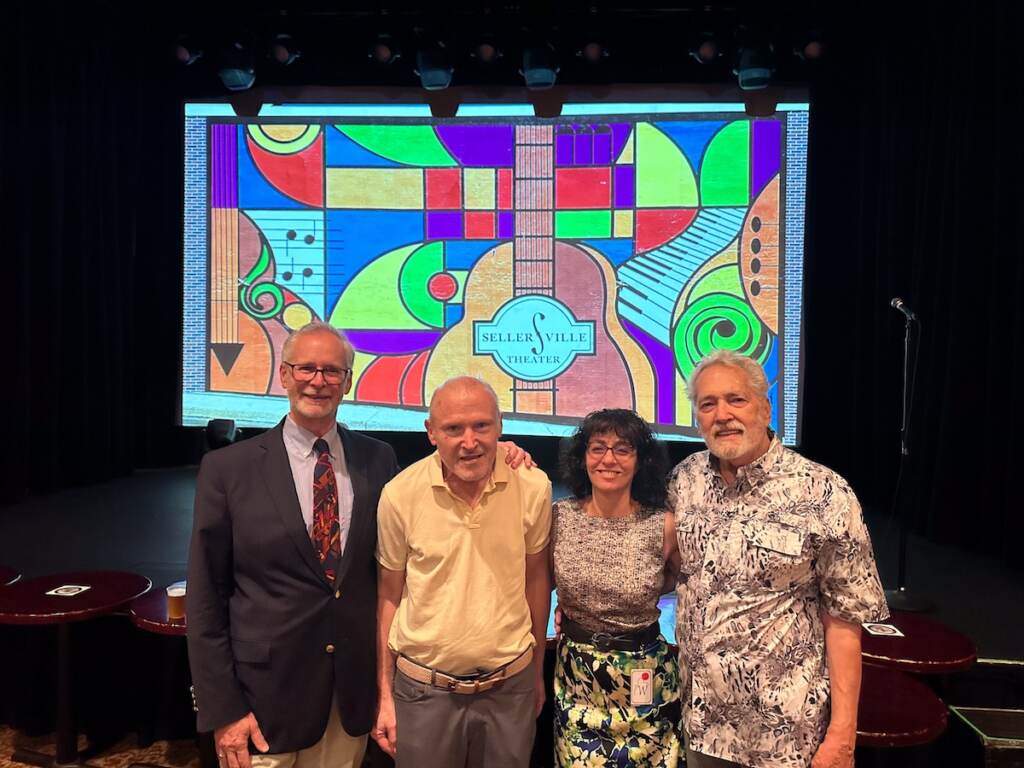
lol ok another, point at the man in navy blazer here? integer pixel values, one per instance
(283, 655)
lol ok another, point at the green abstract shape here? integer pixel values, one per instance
(461, 276)
(261, 265)
(725, 172)
(579, 224)
(297, 144)
(724, 279)
(364, 303)
(250, 294)
(249, 298)
(409, 144)
(412, 281)
(718, 321)
(664, 178)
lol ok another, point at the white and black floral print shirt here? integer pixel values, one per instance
(760, 559)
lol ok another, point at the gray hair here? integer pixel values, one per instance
(463, 381)
(318, 326)
(755, 373)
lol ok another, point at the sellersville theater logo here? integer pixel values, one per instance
(533, 338)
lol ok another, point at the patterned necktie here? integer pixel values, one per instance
(326, 532)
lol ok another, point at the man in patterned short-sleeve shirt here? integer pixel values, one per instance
(777, 576)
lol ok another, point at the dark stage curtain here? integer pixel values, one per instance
(92, 185)
(913, 191)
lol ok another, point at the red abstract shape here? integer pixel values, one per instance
(382, 379)
(657, 226)
(299, 175)
(480, 225)
(412, 385)
(442, 286)
(583, 188)
(444, 188)
(504, 189)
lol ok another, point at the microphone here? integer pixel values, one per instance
(898, 304)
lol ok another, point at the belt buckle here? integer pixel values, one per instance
(602, 640)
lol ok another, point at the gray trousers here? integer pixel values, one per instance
(438, 729)
(699, 760)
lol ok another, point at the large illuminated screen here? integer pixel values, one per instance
(575, 263)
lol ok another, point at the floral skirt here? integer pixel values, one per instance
(595, 725)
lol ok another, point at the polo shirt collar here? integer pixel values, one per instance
(499, 475)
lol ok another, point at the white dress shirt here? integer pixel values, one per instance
(298, 442)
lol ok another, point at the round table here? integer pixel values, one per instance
(895, 710)
(8, 576)
(926, 647)
(28, 602)
(149, 612)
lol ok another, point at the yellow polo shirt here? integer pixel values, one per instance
(464, 606)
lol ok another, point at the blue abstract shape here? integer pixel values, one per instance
(617, 250)
(692, 137)
(463, 254)
(296, 239)
(773, 398)
(771, 363)
(254, 191)
(355, 238)
(342, 151)
(453, 314)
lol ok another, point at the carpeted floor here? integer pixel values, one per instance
(173, 754)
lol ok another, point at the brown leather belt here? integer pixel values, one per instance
(464, 683)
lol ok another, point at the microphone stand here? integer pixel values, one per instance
(899, 598)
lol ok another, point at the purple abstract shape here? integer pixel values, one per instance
(224, 166)
(563, 147)
(393, 342)
(620, 134)
(506, 225)
(625, 186)
(444, 225)
(664, 372)
(488, 146)
(767, 152)
(602, 149)
(583, 147)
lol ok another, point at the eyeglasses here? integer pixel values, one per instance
(308, 372)
(619, 450)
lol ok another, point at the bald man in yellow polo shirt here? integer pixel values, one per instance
(463, 594)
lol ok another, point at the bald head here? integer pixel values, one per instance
(463, 387)
(465, 425)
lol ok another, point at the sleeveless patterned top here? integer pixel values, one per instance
(608, 572)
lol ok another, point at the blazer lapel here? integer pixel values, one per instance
(277, 475)
(362, 517)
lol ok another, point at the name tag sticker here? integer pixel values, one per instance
(882, 630)
(641, 687)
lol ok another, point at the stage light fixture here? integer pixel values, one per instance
(236, 70)
(706, 49)
(593, 52)
(434, 67)
(810, 46)
(384, 50)
(486, 52)
(187, 51)
(540, 67)
(284, 49)
(754, 67)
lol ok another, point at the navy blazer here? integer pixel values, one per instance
(267, 633)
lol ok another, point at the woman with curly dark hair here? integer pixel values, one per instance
(614, 553)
